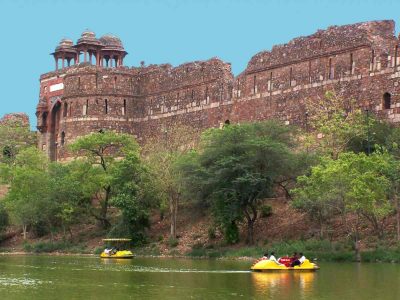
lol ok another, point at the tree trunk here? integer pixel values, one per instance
(173, 208)
(104, 209)
(24, 231)
(357, 248)
(250, 231)
(397, 216)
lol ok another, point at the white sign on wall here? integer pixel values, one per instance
(56, 87)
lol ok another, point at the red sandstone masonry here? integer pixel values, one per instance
(358, 61)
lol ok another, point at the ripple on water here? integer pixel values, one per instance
(19, 281)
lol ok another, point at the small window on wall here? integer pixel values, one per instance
(387, 100)
(65, 110)
(124, 108)
(62, 138)
(106, 106)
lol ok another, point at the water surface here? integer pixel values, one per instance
(74, 277)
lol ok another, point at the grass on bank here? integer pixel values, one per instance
(59, 246)
(321, 250)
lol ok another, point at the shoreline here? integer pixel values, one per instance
(187, 256)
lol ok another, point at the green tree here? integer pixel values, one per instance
(237, 167)
(67, 193)
(355, 184)
(161, 158)
(338, 125)
(4, 219)
(101, 151)
(28, 198)
(133, 196)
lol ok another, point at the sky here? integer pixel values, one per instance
(156, 31)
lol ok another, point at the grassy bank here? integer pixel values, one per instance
(320, 250)
(59, 246)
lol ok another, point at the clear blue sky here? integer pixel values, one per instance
(159, 32)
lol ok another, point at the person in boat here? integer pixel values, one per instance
(107, 251)
(302, 258)
(273, 258)
(265, 256)
(295, 260)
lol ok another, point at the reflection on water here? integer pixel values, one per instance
(284, 283)
(118, 261)
(41, 277)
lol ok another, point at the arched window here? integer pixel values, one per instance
(44, 119)
(124, 108)
(105, 106)
(387, 100)
(65, 110)
(62, 138)
(227, 122)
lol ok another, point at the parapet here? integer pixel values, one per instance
(376, 34)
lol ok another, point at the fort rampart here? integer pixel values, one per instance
(359, 61)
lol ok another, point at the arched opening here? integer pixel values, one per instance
(124, 108)
(44, 119)
(227, 122)
(62, 138)
(53, 133)
(65, 110)
(387, 100)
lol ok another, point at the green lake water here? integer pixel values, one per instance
(74, 277)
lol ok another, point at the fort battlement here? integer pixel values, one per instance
(359, 61)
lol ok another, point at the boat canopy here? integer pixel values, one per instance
(117, 240)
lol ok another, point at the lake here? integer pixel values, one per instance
(74, 277)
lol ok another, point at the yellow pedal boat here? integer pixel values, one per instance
(118, 254)
(114, 252)
(266, 265)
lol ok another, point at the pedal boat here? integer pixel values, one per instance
(119, 253)
(266, 265)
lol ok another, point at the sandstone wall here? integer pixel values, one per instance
(359, 61)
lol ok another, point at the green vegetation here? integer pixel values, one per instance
(48, 247)
(342, 171)
(236, 168)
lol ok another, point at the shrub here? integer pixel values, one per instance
(266, 211)
(172, 242)
(4, 221)
(211, 233)
(231, 233)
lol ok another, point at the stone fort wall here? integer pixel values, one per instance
(359, 61)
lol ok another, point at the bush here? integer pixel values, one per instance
(98, 250)
(172, 242)
(4, 221)
(211, 233)
(266, 211)
(48, 247)
(231, 233)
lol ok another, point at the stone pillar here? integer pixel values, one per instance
(85, 55)
(97, 58)
(90, 57)
(56, 60)
(77, 57)
(68, 61)
(63, 58)
(122, 60)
